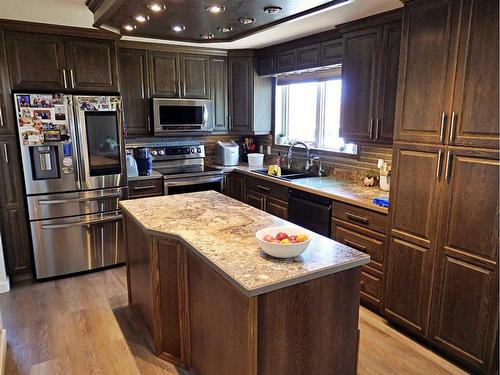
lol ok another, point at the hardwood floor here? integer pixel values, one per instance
(82, 325)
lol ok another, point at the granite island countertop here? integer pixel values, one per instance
(331, 187)
(221, 230)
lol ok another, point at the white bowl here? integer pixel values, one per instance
(282, 250)
(255, 160)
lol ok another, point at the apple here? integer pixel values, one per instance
(281, 236)
(268, 238)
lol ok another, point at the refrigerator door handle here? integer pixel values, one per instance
(84, 199)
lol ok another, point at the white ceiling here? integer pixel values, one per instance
(75, 13)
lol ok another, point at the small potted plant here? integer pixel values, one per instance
(281, 140)
(369, 177)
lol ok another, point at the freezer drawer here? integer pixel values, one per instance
(74, 244)
(77, 203)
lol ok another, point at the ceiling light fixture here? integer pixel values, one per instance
(207, 36)
(130, 27)
(216, 9)
(272, 10)
(178, 28)
(246, 20)
(141, 18)
(224, 29)
(157, 7)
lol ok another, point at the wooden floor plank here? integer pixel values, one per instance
(82, 325)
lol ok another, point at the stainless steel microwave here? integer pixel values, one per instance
(181, 115)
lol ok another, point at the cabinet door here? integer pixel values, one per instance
(240, 94)
(415, 192)
(277, 207)
(308, 57)
(465, 308)
(13, 219)
(134, 88)
(7, 122)
(359, 78)
(256, 200)
(92, 64)
(195, 81)
(475, 104)
(164, 77)
(331, 52)
(36, 61)
(426, 54)
(286, 61)
(388, 83)
(218, 76)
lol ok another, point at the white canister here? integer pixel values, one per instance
(255, 160)
(385, 183)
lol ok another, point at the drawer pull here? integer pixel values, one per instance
(263, 188)
(144, 187)
(362, 284)
(355, 245)
(358, 218)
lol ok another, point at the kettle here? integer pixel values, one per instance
(132, 170)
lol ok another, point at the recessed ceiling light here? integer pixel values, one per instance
(246, 20)
(157, 7)
(141, 18)
(272, 10)
(207, 36)
(216, 9)
(130, 27)
(178, 28)
(224, 29)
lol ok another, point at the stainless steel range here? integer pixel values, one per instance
(183, 169)
(73, 158)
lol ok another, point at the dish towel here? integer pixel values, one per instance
(384, 202)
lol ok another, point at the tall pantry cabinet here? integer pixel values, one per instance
(442, 257)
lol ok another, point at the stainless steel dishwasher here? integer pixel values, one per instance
(310, 211)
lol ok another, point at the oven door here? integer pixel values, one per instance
(78, 243)
(192, 184)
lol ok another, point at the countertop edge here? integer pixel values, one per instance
(291, 184)
(265, 288)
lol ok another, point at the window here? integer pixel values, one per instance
(308, 110)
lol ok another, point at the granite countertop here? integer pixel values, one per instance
(331, 187)
(221, 230)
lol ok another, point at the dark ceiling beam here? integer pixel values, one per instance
(103, 10)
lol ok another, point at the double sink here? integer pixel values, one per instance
(286, 174)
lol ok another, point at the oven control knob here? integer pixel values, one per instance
(161, 152)
(198, 150)
(154, 153)
(193, 150)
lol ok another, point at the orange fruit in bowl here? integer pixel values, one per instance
(302, 237)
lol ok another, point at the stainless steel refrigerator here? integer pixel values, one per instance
(73, 156)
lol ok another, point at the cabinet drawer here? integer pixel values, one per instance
(371, 287)
(145, 188)
(361, 239)
(268, 188)
(360, 216)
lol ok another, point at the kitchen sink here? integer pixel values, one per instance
(286, 174)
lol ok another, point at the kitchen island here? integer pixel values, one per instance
(214, 303)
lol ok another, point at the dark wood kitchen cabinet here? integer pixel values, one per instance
(369, 83)
(286, 61)
(218, 85)
(164, 74)
(256, 199)
(134, 88)
(234, 186)
(308, 56)
(92, 65)
(13, 219)
(250, 96)
(194, 75)
(267, 196)
(464, 318)
(7, 122)
(36, 61)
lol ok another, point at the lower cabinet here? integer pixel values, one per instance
(356, 234)
(233, 186)
(145, 188)
(267, 196)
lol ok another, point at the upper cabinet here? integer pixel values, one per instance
(250, 96)
(369, 81)
(194, 74)
(163, 67)
(218, 76)
(54, 63)
(134, 88)
(7, 123)
(449, 73)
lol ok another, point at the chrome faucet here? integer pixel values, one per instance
(289, 155)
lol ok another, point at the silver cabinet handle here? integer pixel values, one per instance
(438, 169)
(448, 166)
(377, 126)
(443, 123)
(265, 188)
(65, 79)
(2, 124)
(453, 125)
(148, 119)
(6, 153)
(229, 122)
(72, 76)
(145, 187)
(370, 130)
